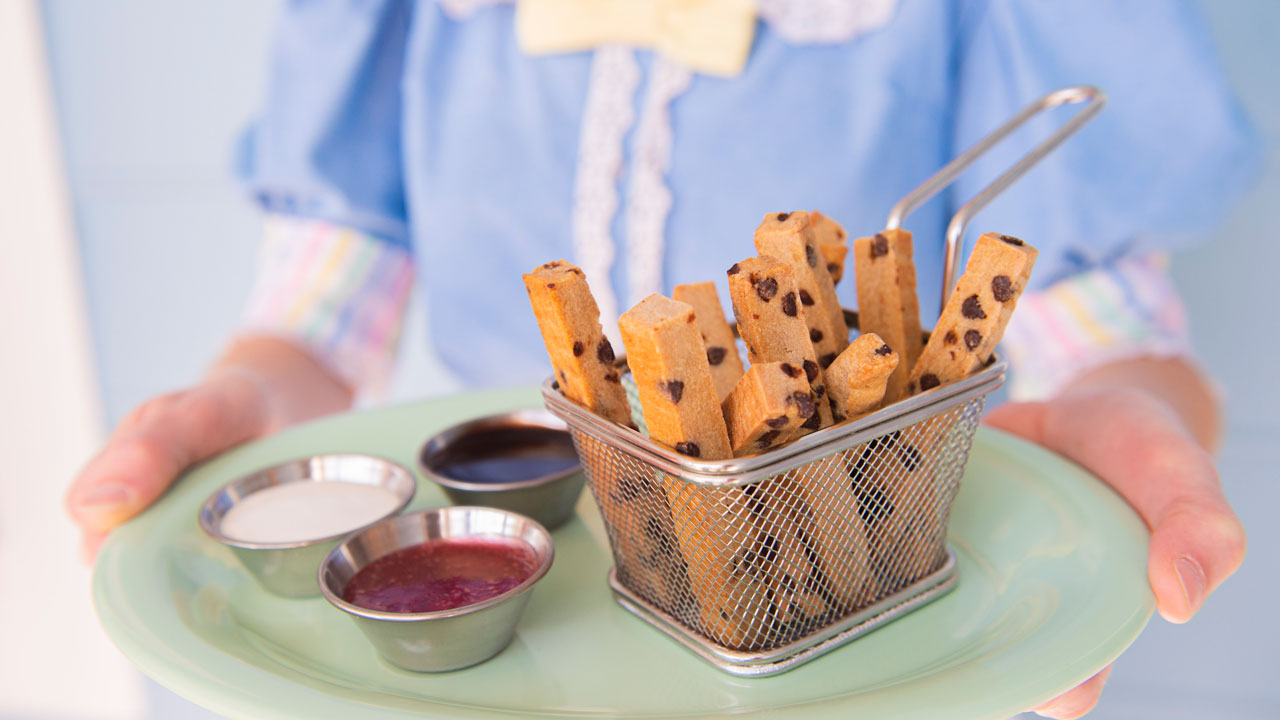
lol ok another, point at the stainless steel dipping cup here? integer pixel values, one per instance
(445, 639)
(549, 498)
(289, 568)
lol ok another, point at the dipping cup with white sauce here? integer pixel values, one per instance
(282, 521)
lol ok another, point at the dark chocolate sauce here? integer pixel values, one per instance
(506, 454)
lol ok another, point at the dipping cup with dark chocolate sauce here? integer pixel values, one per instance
(523, 461)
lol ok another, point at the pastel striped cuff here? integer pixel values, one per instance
(1124, 310)
(337, 292)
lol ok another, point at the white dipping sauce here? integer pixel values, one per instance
(298, 511)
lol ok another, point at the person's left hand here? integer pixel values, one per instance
(1140, 446)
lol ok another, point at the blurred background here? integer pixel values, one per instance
(127, 252)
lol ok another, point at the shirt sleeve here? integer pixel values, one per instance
(337, 292)
(1157, 168)
(1124, 310)
(327, 144)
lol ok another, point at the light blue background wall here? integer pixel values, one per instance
(152, 93)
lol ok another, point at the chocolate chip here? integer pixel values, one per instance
(789, 304)
(839, 234)
(819, 390)
(782, 217)
(833, 268)
(734, 269)
(950, 338)
(815, 335)
(805, 298)
(715, 355)
(766, 288)
(577, 349)
(604, 352)
(952, 353)
(972, 339)
(879, 246)
(813, 422)
(1002, 288)
(673, 388)
(884, 350)
(790, 370)
(777, 423)
(562, 377)
(575, 271)
(552, 264)
(688, 448)
(928, 381)
(724, 615)
(972, 309)
(768, 437)
(550, 285)
(804, 404)
(811, 255)
(810, 370)
(612, 377)
(1010, 239)
(555, 384)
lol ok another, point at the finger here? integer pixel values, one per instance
(1196, 545)
(1076, 701)
(90, 543)
(138, 465)
(1024, 419)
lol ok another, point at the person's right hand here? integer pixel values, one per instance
(261, 384)
(157, 441)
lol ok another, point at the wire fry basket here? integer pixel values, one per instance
(761, 563)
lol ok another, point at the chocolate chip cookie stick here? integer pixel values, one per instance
(581, 356)
(767, 407)
(722, 349)
(833, 244)
(771, 321)
(977, 311)
(857, 380)
(673, 378)
(887, 305)
(789, 237)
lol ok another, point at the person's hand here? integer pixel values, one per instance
(259, 386)
(1139, 444)
(155, 443)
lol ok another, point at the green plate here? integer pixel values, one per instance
(1052, 587)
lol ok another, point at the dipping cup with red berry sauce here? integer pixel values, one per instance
(440, 589)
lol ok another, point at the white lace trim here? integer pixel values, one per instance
(608, 115)
(819, 22)
(648, 198)
(606, 118)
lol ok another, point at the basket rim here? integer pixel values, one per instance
(753, 468)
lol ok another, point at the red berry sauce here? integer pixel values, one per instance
(440, 575)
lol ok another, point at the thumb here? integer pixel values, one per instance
(164, 437)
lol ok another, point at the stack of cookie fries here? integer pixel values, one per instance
(777, 504)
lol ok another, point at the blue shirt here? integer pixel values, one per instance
(439, 135)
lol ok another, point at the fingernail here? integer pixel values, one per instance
(1191, 575)
(104, 496)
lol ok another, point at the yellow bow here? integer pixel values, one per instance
(708, 36)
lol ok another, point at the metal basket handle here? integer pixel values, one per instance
(1095, 99)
